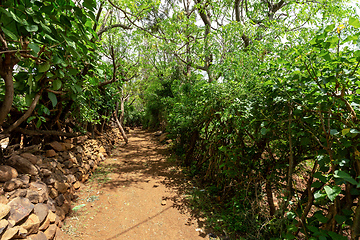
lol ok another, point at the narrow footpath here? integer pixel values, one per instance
(134, 194)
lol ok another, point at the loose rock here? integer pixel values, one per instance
(3, 224)
(31, 224)
(7, 173)
(31, 157)
(22, 165)
(20, 208)
(10, 233)
(4, 210)
(50, 153)
(50, 232)
(41, 210)
(57, 146)
(39, 236)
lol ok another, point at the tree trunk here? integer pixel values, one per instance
(122, 109)
(270, 198)
(120, 128)
(6, 69)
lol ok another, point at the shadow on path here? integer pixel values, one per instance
(144, 159)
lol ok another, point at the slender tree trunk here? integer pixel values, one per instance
(270, 198)
(6, 69)
(120, 127)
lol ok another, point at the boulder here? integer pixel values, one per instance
(60, 200)
(71, 178)
(45, 172)
(76, 185)
(46, 223)
(57, 146)
(4, 210)
(20, 208)
(38, 236)
(33, 196)
(31, 157)
(41, 210)
(22, 233)
(31, 224)
(60, 213)
(25, 179)
(53, 193)
(50, 232)
(7, 173)
(22, 165)
(10, 233)
(17, 193)
(3, 225)
(61, 187)
(12, 184)
(41, 188)
(50, 153)
(52, 216)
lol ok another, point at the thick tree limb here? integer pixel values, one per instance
(26, 114)
(100, 32)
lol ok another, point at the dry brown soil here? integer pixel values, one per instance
(136, 193)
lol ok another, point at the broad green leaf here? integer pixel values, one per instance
(336, 236)
(354, 22)
(44, 67)
(57, 60)
(340, 219)
(38, 123)
(78, 88)
(73, 71)
(17, 19)
(9, 33)
(345, 131)
(319, 195)
(333, 39)
(34, 47)
(53, 98)
(321, 177)
(46, 111)
(329, 28)
(321, 217)
(29, 99)
(56, 84)
(32, 28)
(333, 132)
(345, 176)
(354, 131)
(263, 131)
(332, 192)
(89, 4)
(30, 119)
(49, 74)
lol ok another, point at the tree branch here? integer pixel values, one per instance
(26, 114)
(100, 32)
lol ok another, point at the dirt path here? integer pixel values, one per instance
(135, 194)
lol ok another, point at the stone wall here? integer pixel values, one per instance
(36, 188)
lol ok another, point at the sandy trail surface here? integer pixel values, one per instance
(135, 194)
